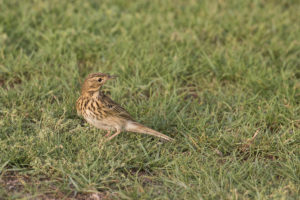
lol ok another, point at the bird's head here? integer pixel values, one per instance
(94, 82)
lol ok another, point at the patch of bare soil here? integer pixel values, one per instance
(22, 186)
(11, 84)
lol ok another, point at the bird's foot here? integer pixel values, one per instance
(114, 135)
(107, 134)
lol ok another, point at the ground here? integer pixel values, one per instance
(221, 77)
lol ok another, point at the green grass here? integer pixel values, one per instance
(211, 74)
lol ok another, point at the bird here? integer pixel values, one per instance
(101, 111)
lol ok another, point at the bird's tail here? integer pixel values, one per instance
(139, 128)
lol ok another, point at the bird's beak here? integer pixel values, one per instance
(112, 76)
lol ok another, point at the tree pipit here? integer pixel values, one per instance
(102, 112)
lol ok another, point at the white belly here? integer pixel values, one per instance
(105, 124)
(99, 124)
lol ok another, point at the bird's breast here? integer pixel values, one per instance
(94, 113)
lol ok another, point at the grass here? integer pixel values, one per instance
(211, 74)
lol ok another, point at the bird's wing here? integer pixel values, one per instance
(114, 109)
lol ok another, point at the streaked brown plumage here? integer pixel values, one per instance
(102, 112)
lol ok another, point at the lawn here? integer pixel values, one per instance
(221, 77)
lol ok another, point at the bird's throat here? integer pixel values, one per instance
(91, 92)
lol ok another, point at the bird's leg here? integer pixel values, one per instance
(108, 133)
(114, 135)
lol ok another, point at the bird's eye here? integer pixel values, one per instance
(100, 79)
